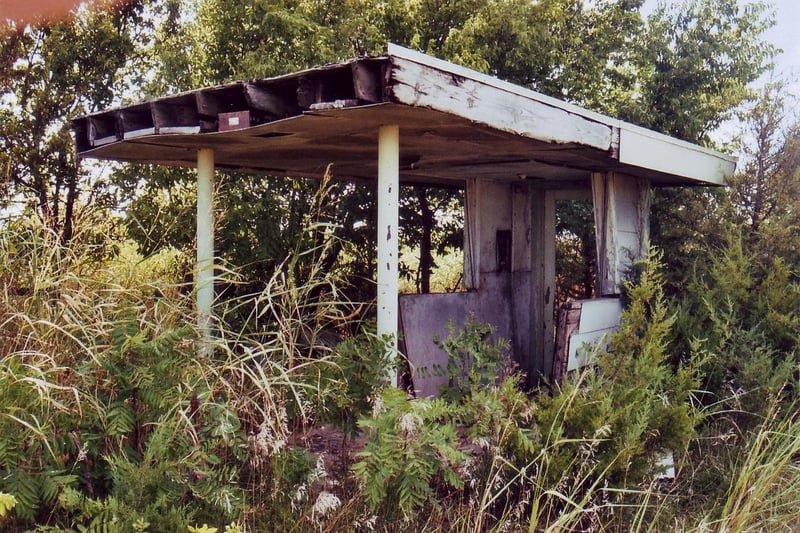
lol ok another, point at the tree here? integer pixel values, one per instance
(694, 64)
(576, 264)
(681, 71)
(766, 186)
(49, 72)
(432, 219)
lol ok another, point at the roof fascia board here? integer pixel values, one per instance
(638, 146)
(644, 148)
(396, 51)
(423, 86)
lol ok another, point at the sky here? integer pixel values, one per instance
(785, 35)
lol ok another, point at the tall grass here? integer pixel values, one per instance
(766, 480)
(111, 417)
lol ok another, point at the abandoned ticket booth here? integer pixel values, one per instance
(409, 118)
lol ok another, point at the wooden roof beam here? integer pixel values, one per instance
(274, 103)
(136, 121)
(102, 129)
(176, 115)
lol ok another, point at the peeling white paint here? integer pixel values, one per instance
(388, 217)
(205, 244)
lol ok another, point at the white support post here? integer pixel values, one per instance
(204, 279)
(388, 226)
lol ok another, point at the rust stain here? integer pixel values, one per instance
(31, 11)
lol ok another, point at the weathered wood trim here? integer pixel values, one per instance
(399, 52)
(420, 85)
(335, 84)
(176, 115)
(103, 130)
(644, 203)
(549, 279)
(605, 233)
(80, 129)
(542, 285)
(647, 149)
(211, 103)
(309, 91)
(599, 318)
(136, 122)
(472, 235)
(568, 136)
(521, 226)
(629, 143)
(569, 320)
(622, 220)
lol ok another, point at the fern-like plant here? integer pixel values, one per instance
(410, 444)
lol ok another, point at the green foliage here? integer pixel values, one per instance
(743, 314)
(446, 276)
(97, 383)
(761, 496)
(765, 185)
(576, 270)
(635, 398)
(409, 442)
(50, 71)
(689, 71)
(474, 359)
(357, 372)
(552, 458)
(111, 421)
(432, 222)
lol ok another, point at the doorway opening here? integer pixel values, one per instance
(576, 251)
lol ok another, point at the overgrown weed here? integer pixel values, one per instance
(112, 419)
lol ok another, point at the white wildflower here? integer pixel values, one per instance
(602, 432)
(409, 423)
(483, 443)
(326, 503)
(300, 495)
(377, 405)
(271, 436)
(367, 524)
(319, 471)
(82, 455)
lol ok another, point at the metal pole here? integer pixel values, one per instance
(204, 280)
(388, 225)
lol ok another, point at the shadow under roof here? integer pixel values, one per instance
(455, 123)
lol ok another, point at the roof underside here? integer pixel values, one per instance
(454, 124)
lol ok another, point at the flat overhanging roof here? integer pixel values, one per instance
(455, 123)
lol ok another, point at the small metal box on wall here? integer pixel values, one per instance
(234, 121)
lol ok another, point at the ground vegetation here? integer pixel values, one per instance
(113, 420)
